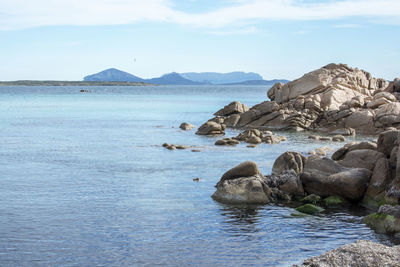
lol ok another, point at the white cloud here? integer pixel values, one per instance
(17, 14)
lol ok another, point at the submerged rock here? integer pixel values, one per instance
(309, 209)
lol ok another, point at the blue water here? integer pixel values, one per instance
(84, 181)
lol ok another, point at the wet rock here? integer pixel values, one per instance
(311, 199)
(334, 201)
(309, 209)
(385, 220)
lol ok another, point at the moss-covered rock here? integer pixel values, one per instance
(311, 199)
(309, 209)
(335, 201)
(383, 223)
(373, 203)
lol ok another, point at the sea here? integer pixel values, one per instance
(84, 181)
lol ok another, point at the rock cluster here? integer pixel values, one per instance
(365, 173)
(252, 136)
(332, 99)
(361, 253)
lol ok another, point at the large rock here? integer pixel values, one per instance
(378, 185)
(287, 181)
(386, 141)
(232, 108)
(362, 253)
(325, 177)
(338, 82)
(211, 128)
(245, 169)
(289, 161)
(341, 152)
(362, 158)
(243, 190)
(388, 115)
(243, 184)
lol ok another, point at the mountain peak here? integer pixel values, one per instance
(113, 75)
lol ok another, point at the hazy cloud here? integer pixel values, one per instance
(17, 14)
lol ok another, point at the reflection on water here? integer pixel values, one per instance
(85, 182)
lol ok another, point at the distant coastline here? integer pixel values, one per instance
(71, 83)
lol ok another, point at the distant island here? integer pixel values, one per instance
(70, 83)
(115, 77)
(189, 78)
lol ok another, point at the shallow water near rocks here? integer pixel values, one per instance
(84, 181)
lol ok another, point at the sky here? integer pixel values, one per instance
(279, 39)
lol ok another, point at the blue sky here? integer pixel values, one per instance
(68, 39)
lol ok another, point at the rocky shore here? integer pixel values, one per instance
(333, 99)
(336, 100)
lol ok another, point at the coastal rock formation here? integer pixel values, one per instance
(325, 177)
(252, 137)
(289, 161)
(361, 253)
(232, 108)
(211, 128)
(335, 99)
(243, 184)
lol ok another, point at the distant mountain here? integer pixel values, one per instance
(189, 78)
(113, 75)
(259, 82)
(221, 78)
(172, 79)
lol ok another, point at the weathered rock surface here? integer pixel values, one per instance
(287, 181)
(243, 184)
(245, 169)
(335, 99)
(362, 253)
(211, 128)
(361, 158)
(243, 190)
(232, 108)
(325, 177)
(289, 161)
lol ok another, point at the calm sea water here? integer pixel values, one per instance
(84, 181)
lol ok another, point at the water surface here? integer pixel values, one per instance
(84, 181)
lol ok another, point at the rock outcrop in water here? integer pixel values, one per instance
(331, 99)
(364, 173)
(361, 253)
